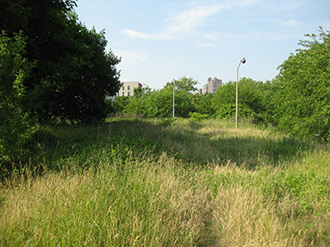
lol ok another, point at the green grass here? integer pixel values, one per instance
(131, 182)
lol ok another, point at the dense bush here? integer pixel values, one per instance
(16, 127)
(251, 100)
(202, 104)
(73, 72)
(158, 103)
(300, 96)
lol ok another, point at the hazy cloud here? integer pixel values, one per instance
(135, 34)
(210, 37)
(207, 45)
(270, 36)
(132, 56)
(186, 22)
(290, 23)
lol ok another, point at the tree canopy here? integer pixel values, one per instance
(301, 94)
(51, 67)
(16, 128)
(73, 71)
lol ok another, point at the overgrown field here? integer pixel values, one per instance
(168, 183)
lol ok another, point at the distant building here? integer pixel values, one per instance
(212, 85)
(127, 88)
(200, 91)
(205, 88)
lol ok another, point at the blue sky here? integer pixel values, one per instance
(159, 41)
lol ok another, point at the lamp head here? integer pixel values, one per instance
(243, 60)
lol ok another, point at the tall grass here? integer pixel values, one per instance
(165, 183)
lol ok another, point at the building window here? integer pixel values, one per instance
(128, 94)
(123, 94)
(123, 88)
(128, 87)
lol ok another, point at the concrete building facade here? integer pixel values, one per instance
(205, 88)
(127, 88)
(212, 85)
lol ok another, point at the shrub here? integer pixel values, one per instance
(16, 127)
(197, 116)
(300, 95)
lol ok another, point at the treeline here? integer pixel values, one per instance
(159, 103)
(297, 101)
(51, 68)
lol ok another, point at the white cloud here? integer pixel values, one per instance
(132, 56)
(248, 2)
(135, 34)
(182, 24)
(188, 21)
(270, 36)
(210, 37)
(207, 45)
(291, 23)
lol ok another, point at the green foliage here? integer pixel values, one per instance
(140, 103)
(73, 71)
(197, 116)
(251, 100)
(119, 104)
(168, 183)
(16, 127)
(157, 103)
(300, 100)
(161, 103)
(186, 84)
(203, 104)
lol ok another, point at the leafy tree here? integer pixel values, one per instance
(140, 103)
(159, 103)
(120, 103)
(162, 102)
(203, 104)
(251, 103)
(16, 128)
(73, 72)
(13, 16)
(300, 96)
(90, 75)
(186, 84)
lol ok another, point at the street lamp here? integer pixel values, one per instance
(173, 100)
(236, 117)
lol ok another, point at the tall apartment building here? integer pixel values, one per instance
(205, 88)
(212, 85)
(127, 88)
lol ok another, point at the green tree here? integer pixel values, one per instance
(163, 99)
(251, 100)
(301, 93)
(16, 127)
(90, 75)
(186, 84)
(73, 71)
(140, 103)
(120, 103)
(203, 104)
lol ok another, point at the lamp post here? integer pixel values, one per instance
(236, 116)
(173, 115)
